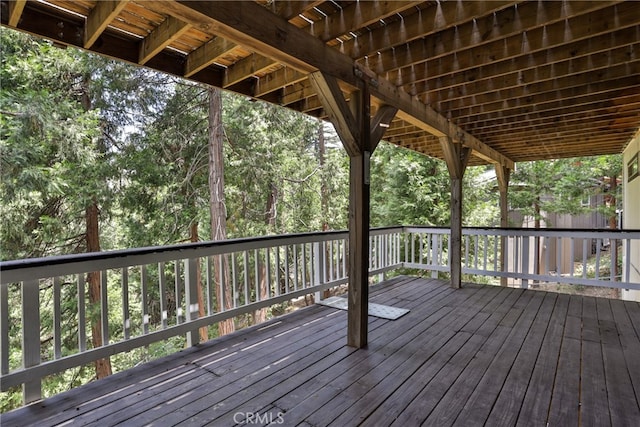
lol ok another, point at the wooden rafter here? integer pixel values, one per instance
(415, 26)
(161, 37)
(206, 55)
(100, 17)
(15, 11)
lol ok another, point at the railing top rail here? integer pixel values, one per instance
(556, 232)
(553, 232)
(36, 268)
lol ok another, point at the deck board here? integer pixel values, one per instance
(479, 355)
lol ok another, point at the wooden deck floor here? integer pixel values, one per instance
(475, 356)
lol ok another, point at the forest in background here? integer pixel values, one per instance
(100, 155)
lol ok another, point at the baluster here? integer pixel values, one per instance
(525, 260)
(191, 298)
(178, 296)
(144, 298)
(163, 294)
(613, 249)
(558, 256)
(82, 316)
(485, 246)
(435, 244)
(286, 270)
(126, 321)
(31, 389)
(209, 285)
(332, 265)
(234, 280)
(495, 253)
(267, 271)
(4, 328)
(627, 263)
(104, 308)
(466, 250)
(572, 255)
(304, 265)
(584, 258)
(475, 252)
(247, 297)
(277, 262)
(295, 267)
(57, 339)
(318, 267)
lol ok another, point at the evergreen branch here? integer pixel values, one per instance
(303, 180)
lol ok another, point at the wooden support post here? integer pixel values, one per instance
(360, 135)
(358, 295)
(503, 174)
(457, 158)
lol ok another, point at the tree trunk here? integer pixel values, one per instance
(271, 210)
(217, 205)
(103, 366)
(193, 236)
(92, 236)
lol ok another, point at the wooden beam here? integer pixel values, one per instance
(168, 31)
(349, 18)
(99, 18)
(457, 158)
(380, 123)
(206, 55)
(214, 49)
(425, 117)
(338, 111)
(256, 28)
(15, 11)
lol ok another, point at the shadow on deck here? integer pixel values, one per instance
(480, 355)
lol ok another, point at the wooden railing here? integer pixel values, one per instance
(156, 294)
(151, 294)
(575, 257)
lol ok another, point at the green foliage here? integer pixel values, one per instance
(408, 188)
(560, 186)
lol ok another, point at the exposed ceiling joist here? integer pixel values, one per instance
(254, 27)
(15, 11)
(99, 19)
(161, 37)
